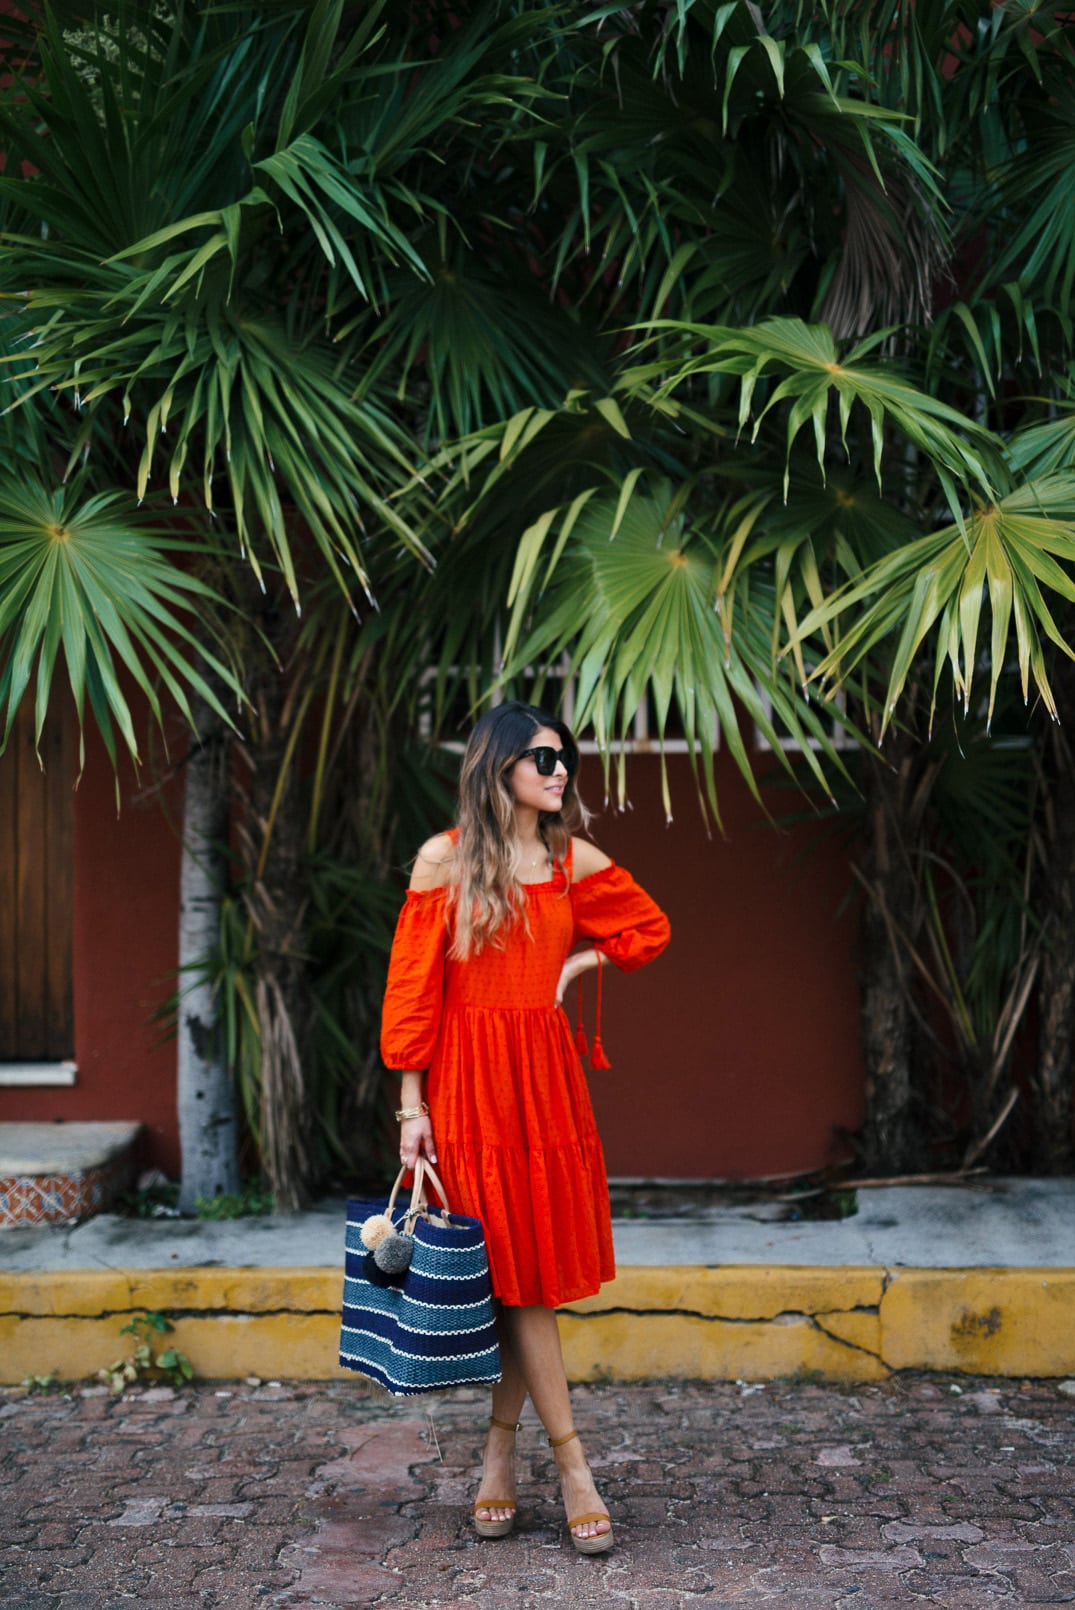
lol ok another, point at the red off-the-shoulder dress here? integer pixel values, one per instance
(511, 1113)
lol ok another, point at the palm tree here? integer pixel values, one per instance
(761, 295)
(200, 208)
(841, 241)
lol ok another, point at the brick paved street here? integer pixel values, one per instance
(795, 1493)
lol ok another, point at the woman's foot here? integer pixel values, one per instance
(494, 1509)
(587, 1519)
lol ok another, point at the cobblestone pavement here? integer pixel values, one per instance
(922, 1491)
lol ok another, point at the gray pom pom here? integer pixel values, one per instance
(393, 1254)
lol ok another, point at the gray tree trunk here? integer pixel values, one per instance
(208, 1127)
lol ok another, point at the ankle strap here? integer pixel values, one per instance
(506, 1425)
(558, 1442)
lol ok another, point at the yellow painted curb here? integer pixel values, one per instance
(94, 1292)
(730, 1323)
(982, 1321)
(735, 1322)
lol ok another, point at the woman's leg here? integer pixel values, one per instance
(535, 1346)
(498, 1461)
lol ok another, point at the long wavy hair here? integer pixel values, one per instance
(486, 889)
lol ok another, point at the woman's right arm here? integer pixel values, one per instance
(432, 864)
(412, 1004)
(415, 1134)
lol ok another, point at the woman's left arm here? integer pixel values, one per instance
(625, 926)
(580, 961)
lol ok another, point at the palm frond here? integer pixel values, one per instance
(815, 381)
(85, 574)
(649, 633)
(1015, 553)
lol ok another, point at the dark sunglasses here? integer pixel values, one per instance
(545, 759)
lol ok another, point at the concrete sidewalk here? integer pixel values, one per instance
(979, 1278)
(929, 1491)
(1001, 1223)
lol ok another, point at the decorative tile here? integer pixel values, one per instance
(54, 1198)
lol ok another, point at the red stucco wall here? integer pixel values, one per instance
(125, 937)
(736, 1054)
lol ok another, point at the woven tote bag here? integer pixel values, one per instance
(430, 1325)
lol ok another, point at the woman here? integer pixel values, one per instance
(491, 1077)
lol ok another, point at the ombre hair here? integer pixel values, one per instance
(486, 890)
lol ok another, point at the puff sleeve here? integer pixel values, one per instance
(414, 994)
(618, 918)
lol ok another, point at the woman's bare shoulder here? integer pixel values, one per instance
(433, 864)
(586, 858)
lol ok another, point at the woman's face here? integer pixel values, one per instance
(527, 785)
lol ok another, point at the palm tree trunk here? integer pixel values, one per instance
(282, 993)
(205, 1090)
(1054, 1076)
(278, 897)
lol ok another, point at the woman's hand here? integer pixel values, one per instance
(578, 963)
(415, 1140)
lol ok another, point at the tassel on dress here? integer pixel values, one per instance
(581, 1043)
(598, 1060)
(596, 1052)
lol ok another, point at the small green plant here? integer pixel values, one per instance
(159, 1200)
(144, 1363)
(40, 1383)
(252, 1201)
(809, 1200)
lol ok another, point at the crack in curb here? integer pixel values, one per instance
(782, 1316)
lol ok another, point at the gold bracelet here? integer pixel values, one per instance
(421, 1111)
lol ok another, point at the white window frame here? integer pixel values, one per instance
(839, 737)
(38, 1073)
(641, 741)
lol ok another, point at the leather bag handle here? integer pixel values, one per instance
(423, 1170)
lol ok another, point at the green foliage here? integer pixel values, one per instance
(40, 1383)
(643, 564)
(1013, 553)
(267, 301)
(157, 1201)
(144, 1363)
(85, 574)
(751, 330)
(253, 1201)
(822, 1203)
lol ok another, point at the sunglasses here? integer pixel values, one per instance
(545, 759)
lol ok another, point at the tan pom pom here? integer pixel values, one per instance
(375, 1229)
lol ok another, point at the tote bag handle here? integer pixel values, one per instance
(423, 1170)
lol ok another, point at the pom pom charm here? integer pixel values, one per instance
(374, 1230)
(393, 1254)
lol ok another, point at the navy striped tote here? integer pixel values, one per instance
(430, 1325)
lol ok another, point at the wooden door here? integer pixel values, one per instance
(36, 889)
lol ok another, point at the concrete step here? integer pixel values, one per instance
(59, 1173)
(978, 1279)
